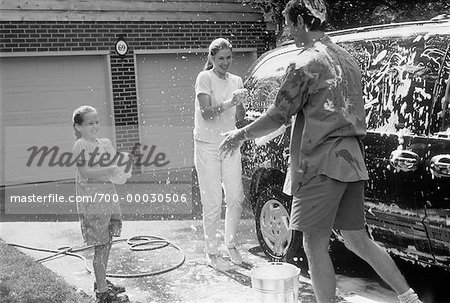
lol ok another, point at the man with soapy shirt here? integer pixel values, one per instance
(322, 90)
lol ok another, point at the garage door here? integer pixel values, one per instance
(38, 96)
(166, 102)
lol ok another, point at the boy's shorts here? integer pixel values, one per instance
(323, 203)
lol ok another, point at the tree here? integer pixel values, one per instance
(273, 12)
(355, 13)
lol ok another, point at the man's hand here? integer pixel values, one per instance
(232, 142)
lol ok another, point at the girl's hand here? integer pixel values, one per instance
(119, 177)
(114, 171)
(240, 96)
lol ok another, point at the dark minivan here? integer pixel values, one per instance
(405, 74)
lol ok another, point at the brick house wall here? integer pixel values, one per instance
(25, 29)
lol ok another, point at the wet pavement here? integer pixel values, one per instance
(194, 281)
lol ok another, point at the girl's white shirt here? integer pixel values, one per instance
(220, 90)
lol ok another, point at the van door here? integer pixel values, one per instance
(398, 84)
(438, 163)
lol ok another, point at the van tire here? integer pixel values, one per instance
(272, 210)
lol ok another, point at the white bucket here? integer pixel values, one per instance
(275, 282)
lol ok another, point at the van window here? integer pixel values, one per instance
(399, 77)
(265, 82)
(440, 118)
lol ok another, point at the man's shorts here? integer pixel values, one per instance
(323, 203)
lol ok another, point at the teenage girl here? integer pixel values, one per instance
(218, 104)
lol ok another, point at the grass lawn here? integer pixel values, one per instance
(24, 280)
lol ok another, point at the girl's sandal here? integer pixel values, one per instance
(115, 288)
(110, 296)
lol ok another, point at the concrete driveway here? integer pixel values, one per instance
(194, 281)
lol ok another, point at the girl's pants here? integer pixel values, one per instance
(213, 172)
